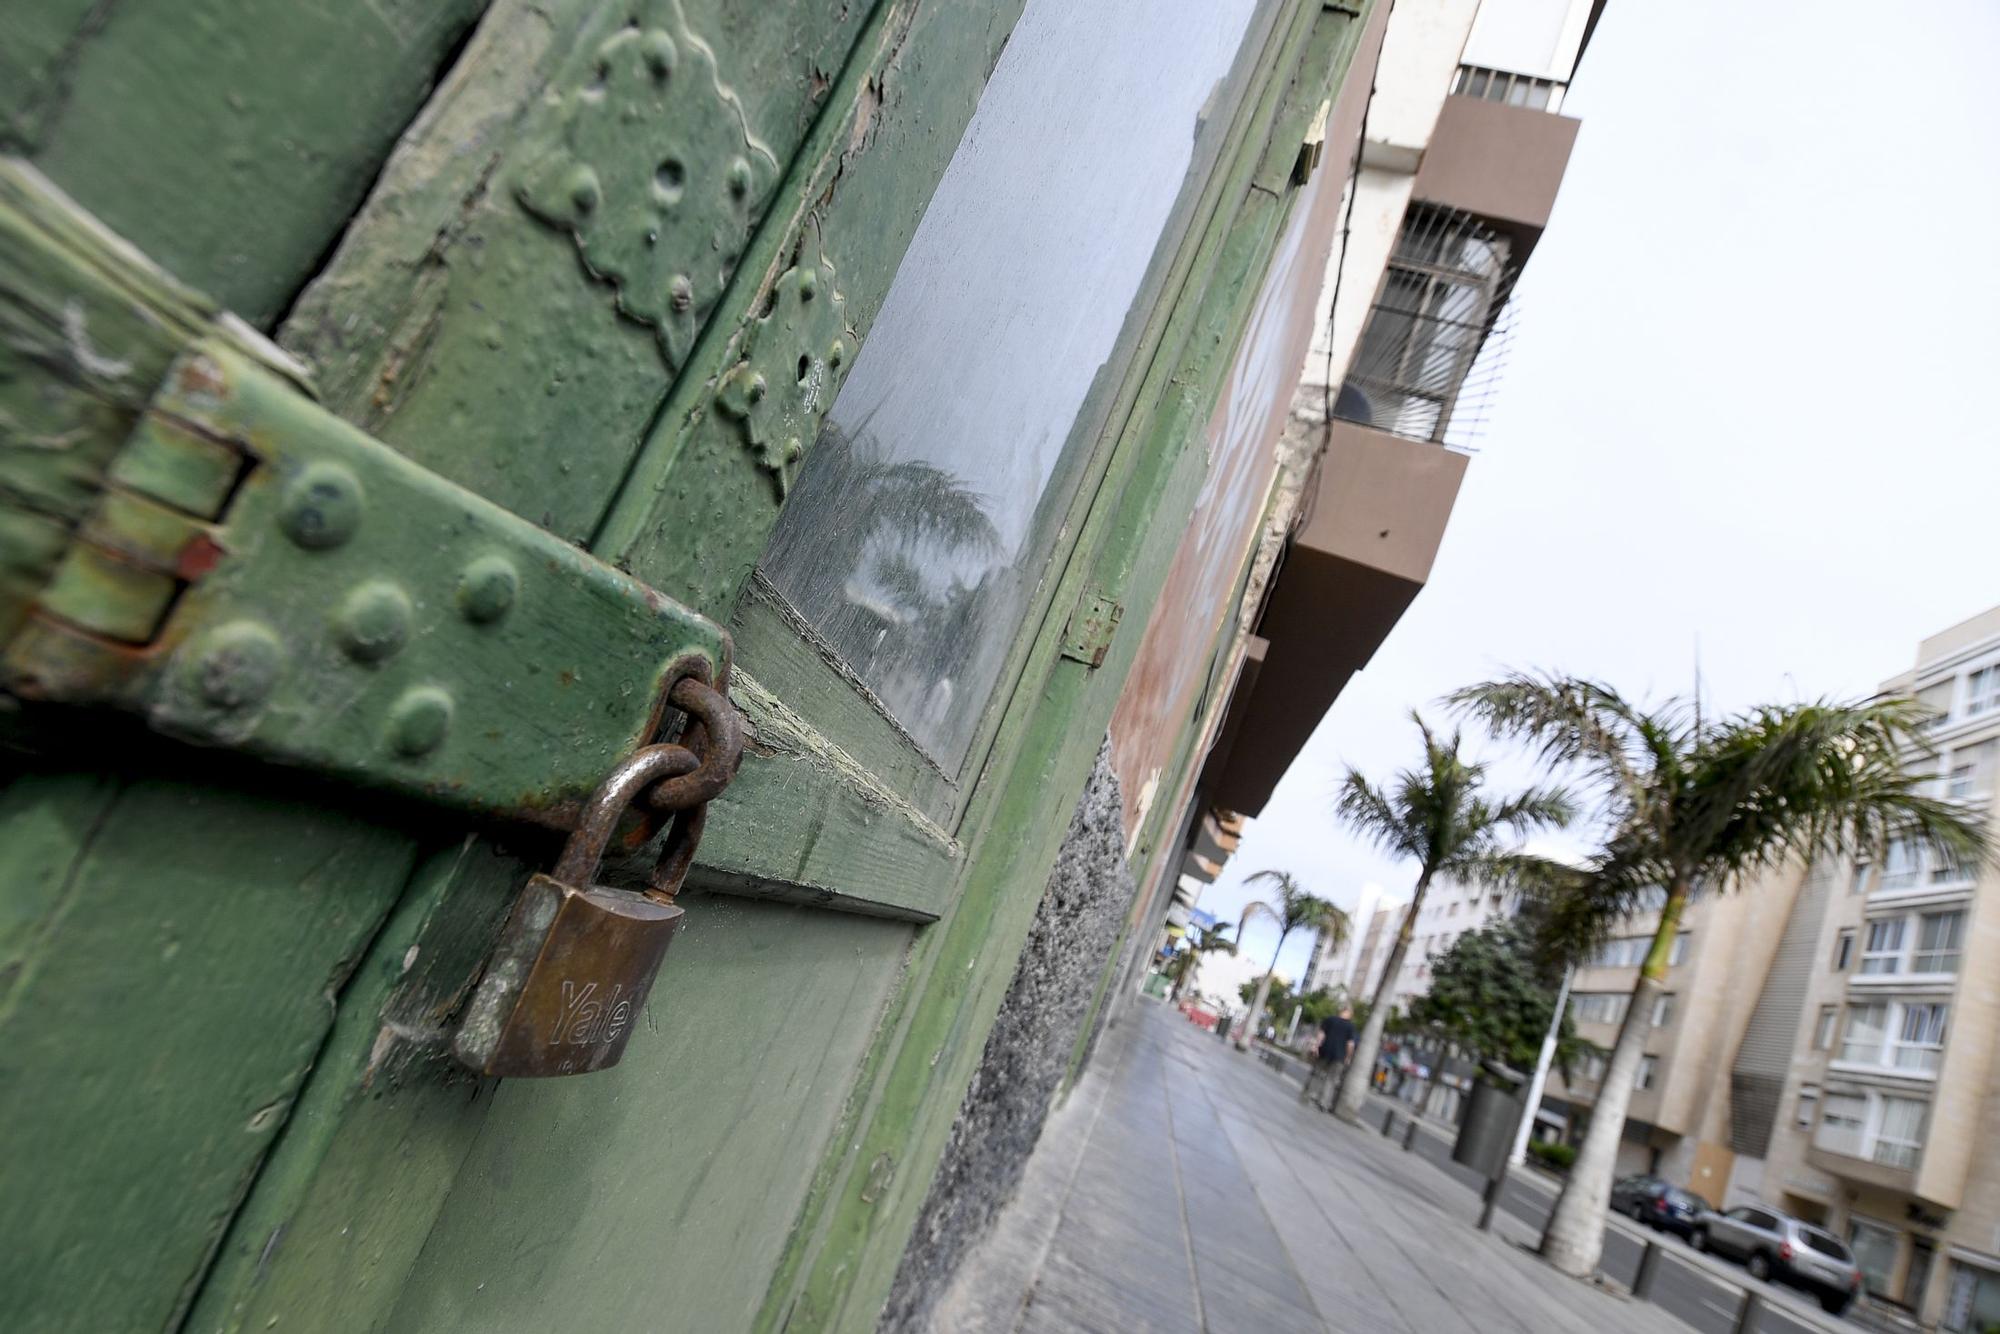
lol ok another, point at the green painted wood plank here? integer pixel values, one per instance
(155, 1033)
(230, 139)
(656, 1195)
(356, 1178)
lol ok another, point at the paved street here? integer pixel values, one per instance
(1183, 1187)
(1703, 1291)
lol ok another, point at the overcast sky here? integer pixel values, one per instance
(1746, 404)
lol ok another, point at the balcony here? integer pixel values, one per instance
(1501, 163)
(1370, 527)
(1864, 1171)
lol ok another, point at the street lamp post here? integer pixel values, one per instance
(1520, 1153)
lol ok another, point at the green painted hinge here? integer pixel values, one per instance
(258, 574)
(1091, 625)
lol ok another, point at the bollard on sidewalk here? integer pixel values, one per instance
(1410, 1135)
(1649, 1264)
(1388, 1122)
(1747, 1314)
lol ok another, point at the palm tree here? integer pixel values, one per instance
(1295, 910)
(1435, 816)
(1182, 967)
(1693, 805)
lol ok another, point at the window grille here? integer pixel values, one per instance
(1516, 90)
(1441, 297)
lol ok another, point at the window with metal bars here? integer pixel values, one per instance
(1517, 90)
(1446, 282)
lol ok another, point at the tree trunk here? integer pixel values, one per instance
(1574, 1241)
(1249, 1033)
(1354, 1079)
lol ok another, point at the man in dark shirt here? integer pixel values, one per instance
(1336, 1047)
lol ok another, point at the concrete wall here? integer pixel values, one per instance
(1027, 1052)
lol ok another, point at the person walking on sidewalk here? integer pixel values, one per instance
(1336, 1048)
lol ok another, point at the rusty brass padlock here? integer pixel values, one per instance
(570, 976)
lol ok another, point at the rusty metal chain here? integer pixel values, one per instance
(671, 782)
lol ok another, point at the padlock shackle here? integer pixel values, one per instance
(584, 851)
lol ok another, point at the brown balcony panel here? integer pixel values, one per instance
(1502, 163)
(1374, 520)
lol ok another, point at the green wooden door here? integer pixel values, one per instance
(875, 333)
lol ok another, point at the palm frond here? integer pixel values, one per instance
(1571, 721)
(1790, 781)
(1371, 814)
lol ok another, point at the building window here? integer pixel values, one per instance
(1904, 1036)
(1843, 949)
(1843, 1121)
(1867, 1026)
(1663, 1009)
(1920, 943)
(1829, 1017)
(1883, 952)
(1878, 1127)
(1516, 90)
(1974, 1305)
(1864, 878)
(1648, 1067)
(1935, 700)
(1446, 282)
(1874, 1247)
(1982, 691)
(1630, 951)
(1593, 1068)
(1902, 865)
(1599, 1007)
(1920, 1039)
(1940, 938)
(1808, 1104)
(1970, 773)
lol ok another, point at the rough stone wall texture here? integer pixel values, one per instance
(1027, 1053)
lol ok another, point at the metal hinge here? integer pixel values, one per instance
(1313, 146)
(260, 575)
(1091, 626)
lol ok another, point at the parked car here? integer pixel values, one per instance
(1659, 1204)
(1777, 1246)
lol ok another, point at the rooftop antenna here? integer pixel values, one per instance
(1697, 687)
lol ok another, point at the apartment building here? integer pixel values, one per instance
(1449, 172)
(1451, 909)
(1863, 1092)
(1372, 954)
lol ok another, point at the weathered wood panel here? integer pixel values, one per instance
(229, 139)
(241, 939)
(657, 1195)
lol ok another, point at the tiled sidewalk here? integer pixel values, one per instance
(1183, 1187)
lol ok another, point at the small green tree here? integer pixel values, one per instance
(1492, 994)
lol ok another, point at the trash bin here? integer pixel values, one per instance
(1222, 1026)
(1492, 1115)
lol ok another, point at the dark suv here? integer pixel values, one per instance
(1658, 1204)
(1777, 1246)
